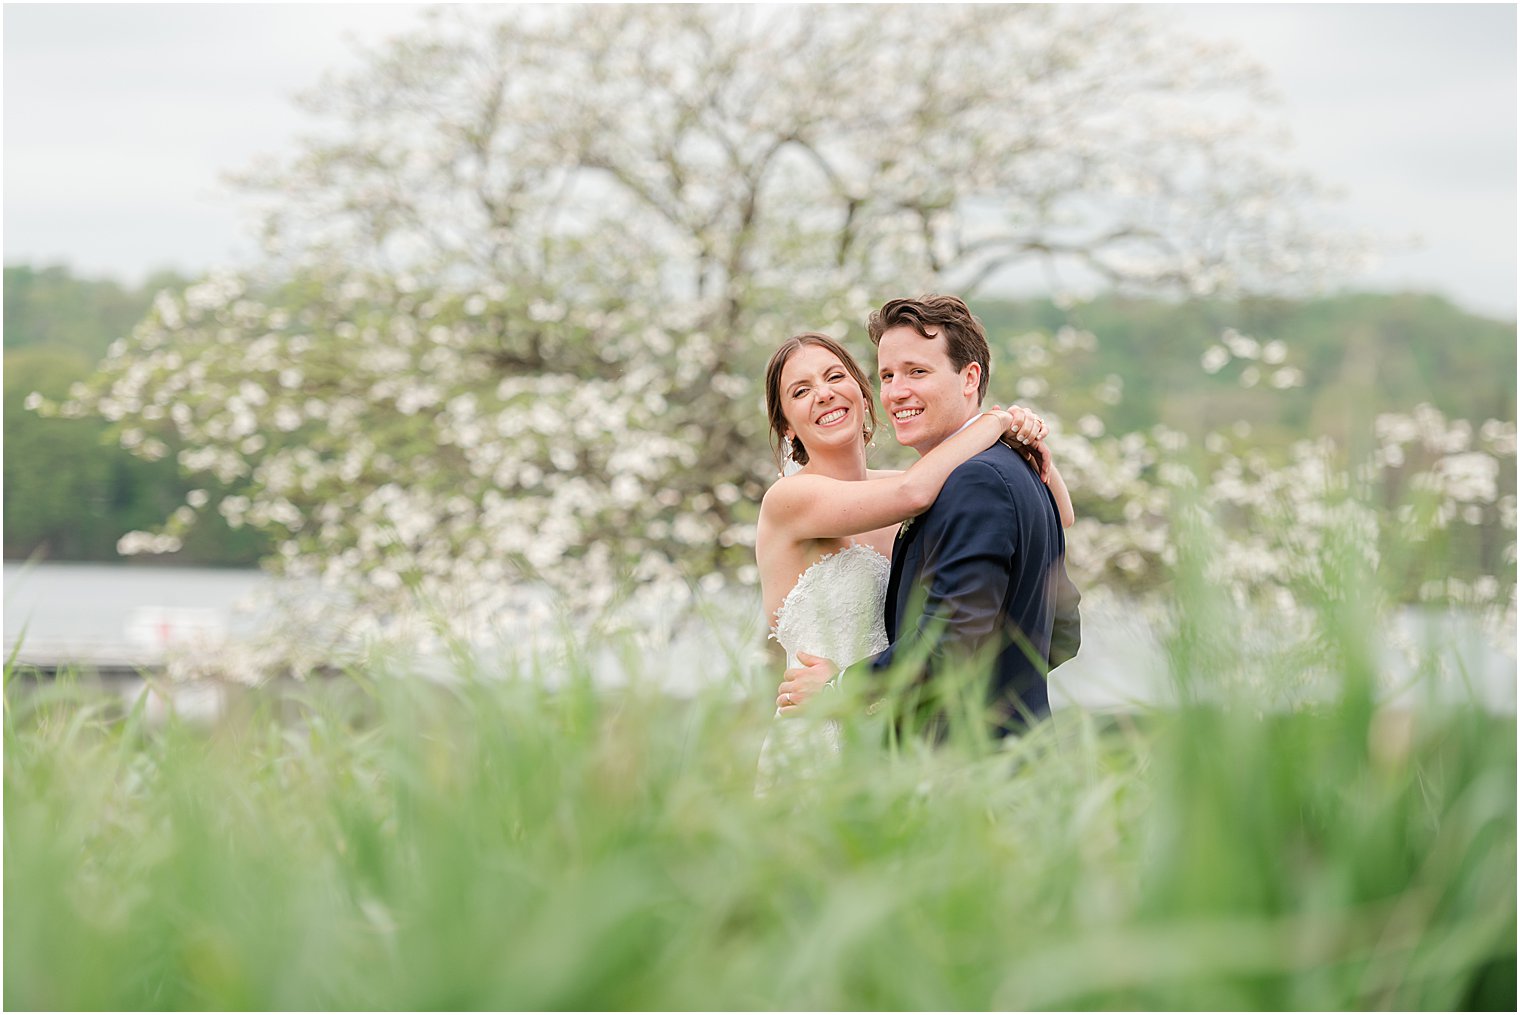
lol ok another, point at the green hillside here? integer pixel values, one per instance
(70, 494)
(1359, 354)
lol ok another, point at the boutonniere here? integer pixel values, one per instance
(902, 530)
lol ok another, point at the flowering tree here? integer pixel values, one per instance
(511, 328)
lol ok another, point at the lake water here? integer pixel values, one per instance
(121, 617)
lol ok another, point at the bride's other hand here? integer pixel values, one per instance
(1027, 437)
(1038, 454)
(802, 682)
(1026, 428)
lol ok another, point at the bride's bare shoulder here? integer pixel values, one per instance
(780, 489)
(782, 498)
(883, 473)
(798, 484)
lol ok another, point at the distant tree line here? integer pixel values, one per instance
(70, 491)
(1124, 364)
(1339, 361)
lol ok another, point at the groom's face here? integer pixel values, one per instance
(926, 398)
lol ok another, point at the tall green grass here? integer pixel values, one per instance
(384, 842)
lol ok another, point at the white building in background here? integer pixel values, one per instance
(120, 618)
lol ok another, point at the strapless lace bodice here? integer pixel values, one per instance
(836, 608)
(835, 612)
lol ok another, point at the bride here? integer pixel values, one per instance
(824, 538)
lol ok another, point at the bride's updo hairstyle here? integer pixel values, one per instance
(793, 449)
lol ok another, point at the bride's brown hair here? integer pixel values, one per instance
(773, 370)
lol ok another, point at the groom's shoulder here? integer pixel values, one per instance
(999, 468)
(1000, 460)
(984, 473)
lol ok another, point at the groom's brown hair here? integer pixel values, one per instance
(965, 340)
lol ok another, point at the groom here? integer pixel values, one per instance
(980, 577)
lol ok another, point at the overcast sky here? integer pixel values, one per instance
(121, 119)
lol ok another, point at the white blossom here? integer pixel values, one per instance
(541, 369)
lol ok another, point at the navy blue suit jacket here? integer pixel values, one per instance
(981, 573)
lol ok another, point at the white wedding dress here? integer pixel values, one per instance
(835, 611)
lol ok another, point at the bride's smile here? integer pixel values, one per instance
(823, 403)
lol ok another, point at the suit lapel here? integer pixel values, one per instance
(900, 550)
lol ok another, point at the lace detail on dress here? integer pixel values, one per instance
(835, 611)
(836, 608)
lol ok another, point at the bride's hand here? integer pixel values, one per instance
(1027, 437)
(1039, 456)
(1026, 428)
(802, 682)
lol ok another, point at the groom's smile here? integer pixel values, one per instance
(923, 393)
